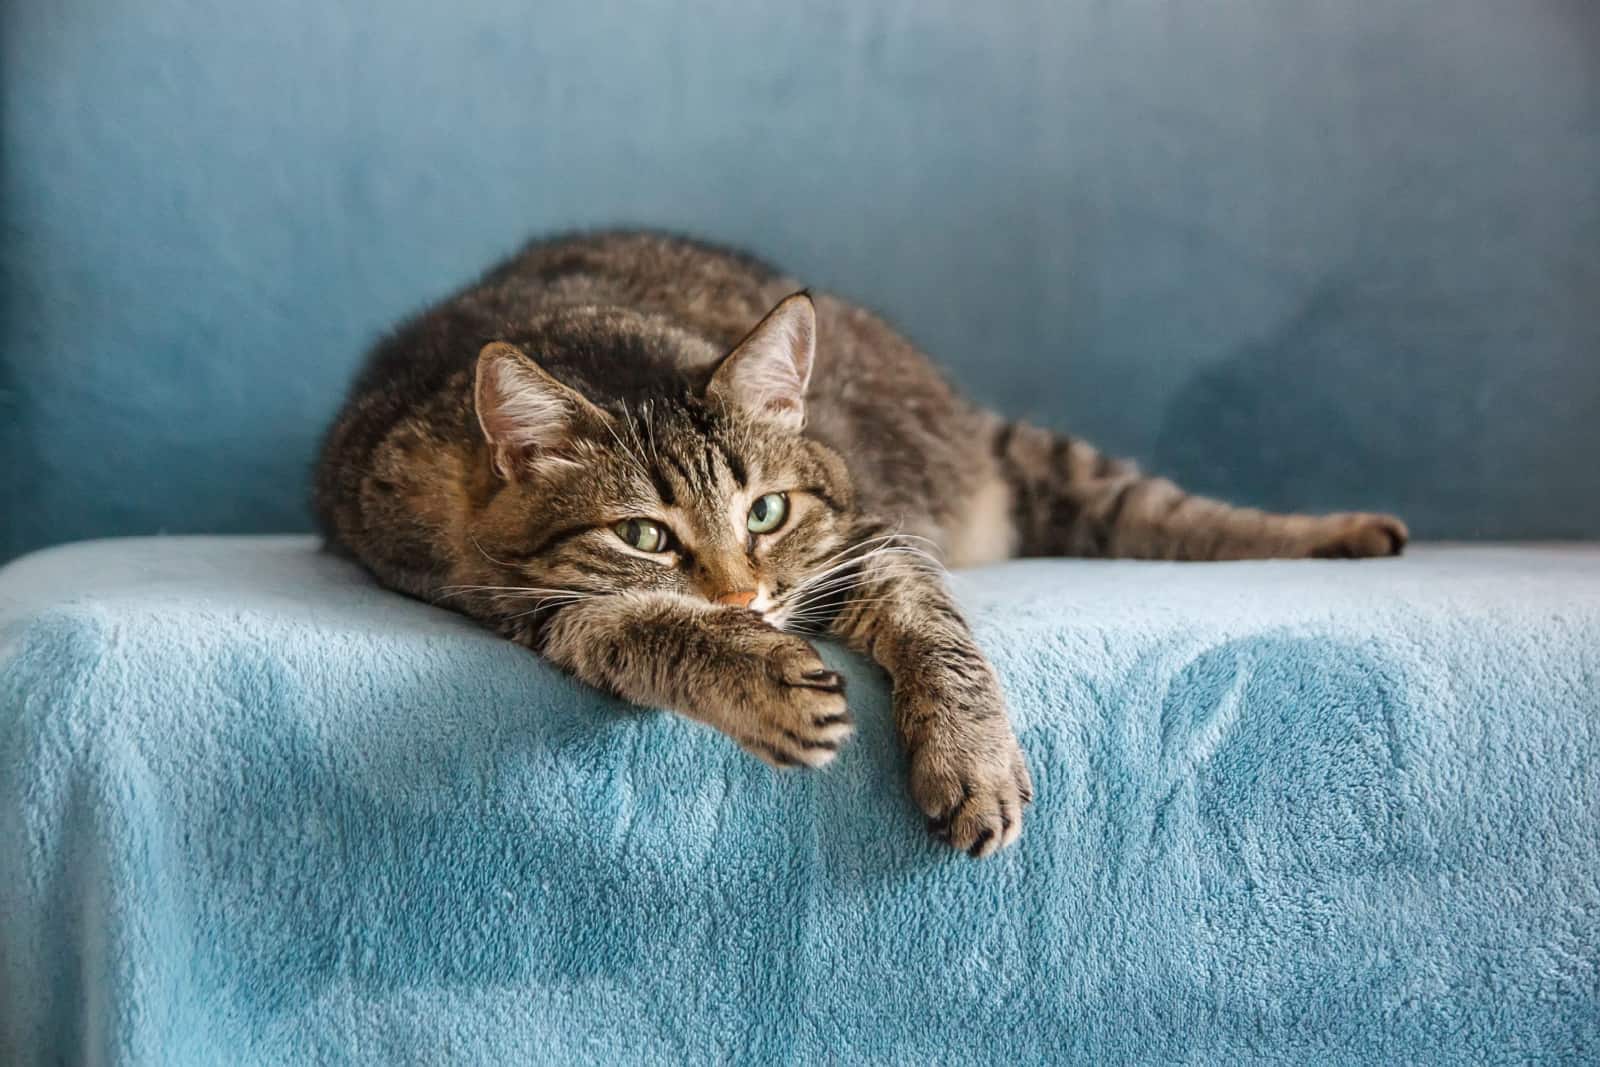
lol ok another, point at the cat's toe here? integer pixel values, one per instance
(973, 799)
(799, 717)
(825, 680)
(1362, 536)
(822, 722)
(795, 663)
(807, 730)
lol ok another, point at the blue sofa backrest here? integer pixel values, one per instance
(1310, 255)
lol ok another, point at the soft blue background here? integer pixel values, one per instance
(1308, 254)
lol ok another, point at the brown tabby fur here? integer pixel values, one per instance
(491, 444)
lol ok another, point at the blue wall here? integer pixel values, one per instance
(1313, 254)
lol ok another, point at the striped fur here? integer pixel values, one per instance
(1070, 499)
(491, 445)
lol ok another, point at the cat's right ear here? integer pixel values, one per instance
(526, 415)
(767, 374)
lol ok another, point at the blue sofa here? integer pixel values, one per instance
(254, 810)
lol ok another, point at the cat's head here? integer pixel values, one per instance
(709, 491)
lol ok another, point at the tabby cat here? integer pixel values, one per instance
(663, 465)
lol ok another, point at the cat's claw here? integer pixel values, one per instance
(828, 681)
(797, 716)
(972, 789)
(1361, 535)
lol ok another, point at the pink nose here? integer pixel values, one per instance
(737, 600)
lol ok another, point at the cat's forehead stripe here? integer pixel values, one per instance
(678, 471)
(731, 459)
(662, 485)
(697, 455)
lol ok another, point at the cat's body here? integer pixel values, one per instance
(463, 473)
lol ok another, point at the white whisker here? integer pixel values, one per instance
(843, 565)
(851, 581)
(822, 612)
(905, 556)
(548, 602)
(860, 545)
(633, 432)
(863, 549)
(841, 595)
(626, 453)
(485, 554)
(650, 431)
(529, 590)
(505, 596)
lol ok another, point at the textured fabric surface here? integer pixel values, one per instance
(255, 810)
(1323, 254)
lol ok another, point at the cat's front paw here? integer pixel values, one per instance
(793, 711)
(971, 781)
(1359, 535)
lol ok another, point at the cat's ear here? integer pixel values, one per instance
(767, 374)
(526, 415)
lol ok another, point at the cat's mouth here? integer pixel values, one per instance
(768, 608)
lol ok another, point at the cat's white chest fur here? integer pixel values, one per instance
(986, 533)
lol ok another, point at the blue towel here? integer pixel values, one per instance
(254, 810)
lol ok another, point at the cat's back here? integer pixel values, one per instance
(650, 285)
(642, 263)
(717, 292)
(657, 308)
(874, 397)
(705, 290)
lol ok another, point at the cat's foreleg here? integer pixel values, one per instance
(967, 772)
(723, 666)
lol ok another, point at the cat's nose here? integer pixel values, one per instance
(737, 600)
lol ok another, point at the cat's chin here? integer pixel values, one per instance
(776, 618)
(772, 619)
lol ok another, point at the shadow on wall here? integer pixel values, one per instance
(1310, 416)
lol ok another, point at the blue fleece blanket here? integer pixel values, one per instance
(254, 810)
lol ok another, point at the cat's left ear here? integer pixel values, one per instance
(767, 374)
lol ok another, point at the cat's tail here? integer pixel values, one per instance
(1070, 499)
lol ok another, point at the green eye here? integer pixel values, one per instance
(642, 534)
(768, 513)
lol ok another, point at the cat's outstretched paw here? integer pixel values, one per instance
(794, 712)
(972, 784)
(1360, 535)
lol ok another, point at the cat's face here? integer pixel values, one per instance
(716, 497)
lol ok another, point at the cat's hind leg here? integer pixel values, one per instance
(1069, 499)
